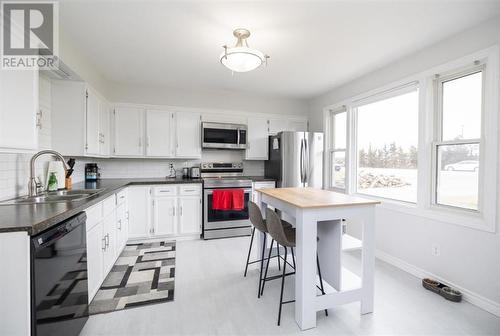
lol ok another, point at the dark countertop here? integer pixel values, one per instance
(35, 218)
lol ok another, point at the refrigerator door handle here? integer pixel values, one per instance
(302, 161)
(306, 162)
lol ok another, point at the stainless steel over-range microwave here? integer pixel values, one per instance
(223, 136)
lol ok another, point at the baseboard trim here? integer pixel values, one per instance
(469, 296)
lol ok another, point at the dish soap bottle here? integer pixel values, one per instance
(52, 185)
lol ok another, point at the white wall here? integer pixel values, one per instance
(469, 258)
(223, 100)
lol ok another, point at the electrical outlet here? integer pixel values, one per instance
(436, 250)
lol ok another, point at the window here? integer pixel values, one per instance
(459, 99)
(428, 142)
(387, 141)
(338, 148)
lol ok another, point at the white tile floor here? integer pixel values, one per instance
(213, 298)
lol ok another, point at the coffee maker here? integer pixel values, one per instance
(92, 172)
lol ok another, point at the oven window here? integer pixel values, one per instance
(226, 215)
(217, 135)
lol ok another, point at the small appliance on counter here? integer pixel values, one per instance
(91, 172)
(185, 172)
(194, 172)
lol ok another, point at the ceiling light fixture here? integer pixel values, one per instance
(242, 58)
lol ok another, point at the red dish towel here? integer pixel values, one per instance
(238, 199)
(222, 199)
(228, 199)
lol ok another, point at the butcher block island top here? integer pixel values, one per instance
(315, 198)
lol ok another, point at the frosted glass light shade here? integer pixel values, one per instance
(242, 59)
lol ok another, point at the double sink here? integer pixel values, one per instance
(54, 197)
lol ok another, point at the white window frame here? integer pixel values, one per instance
(439, 80)
(386, 94)
(485, 218)
(332, 149)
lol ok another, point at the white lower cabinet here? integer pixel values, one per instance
(107, 234)
(164, 216)
(175, 210)
(260, 185)
(139, 213)
(189, 215)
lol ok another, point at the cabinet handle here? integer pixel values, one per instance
(164, 191)
(120, 226)
(173, 208)
(189, 190)
(180, 209)
(107, 240)
(128, 215)
(103, 247)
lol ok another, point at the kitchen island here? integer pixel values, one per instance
(318, 213)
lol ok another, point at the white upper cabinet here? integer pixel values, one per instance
(159, 133)
(80, 118)
(92, 109)
(297, 125)
(257, 142)
(18, 109)
(188, 135)
(104, 129)
(277, 125)
(129, 131)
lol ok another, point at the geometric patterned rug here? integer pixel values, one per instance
(143, 274)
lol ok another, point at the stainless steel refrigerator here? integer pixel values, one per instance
(296, 159)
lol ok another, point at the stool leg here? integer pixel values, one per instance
(321, 281)
(282, 287)
(262, 262)
(278, 256)
(249, 251)
(293, 258)
(267, 266)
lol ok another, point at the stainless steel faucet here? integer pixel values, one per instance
(33, 185)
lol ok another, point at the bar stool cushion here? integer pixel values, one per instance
(258, 221)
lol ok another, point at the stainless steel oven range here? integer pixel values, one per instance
(224, 223)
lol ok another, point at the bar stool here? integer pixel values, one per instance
(286, 238)
(259, 223)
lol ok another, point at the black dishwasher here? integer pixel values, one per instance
(59, 289)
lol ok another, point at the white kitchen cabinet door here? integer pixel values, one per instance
(92, 107)
(188, 135)
(121, 228)
(139, 208)
(165, 216)
(109, 235)
(128, 131)
(297, 125)
(18, 108)
(95, 267)
(104, 129)
(277, 125)
(189, 215)
(159, 137)
(257, 139)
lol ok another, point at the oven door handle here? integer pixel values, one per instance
(238, 131)
(210, 191)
